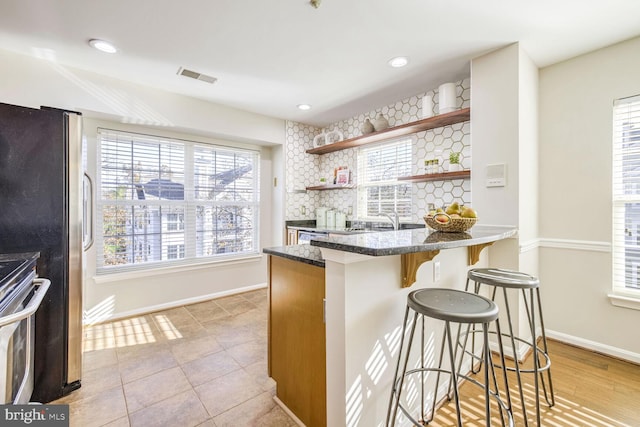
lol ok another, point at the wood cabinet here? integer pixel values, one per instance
(297, 343)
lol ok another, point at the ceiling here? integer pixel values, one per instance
(270, 56)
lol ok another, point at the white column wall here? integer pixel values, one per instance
(495, 133)
(504, 130)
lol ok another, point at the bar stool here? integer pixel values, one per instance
(509, 279)
(455, 306)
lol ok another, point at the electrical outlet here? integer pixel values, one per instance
(303, 209)
(436, 271)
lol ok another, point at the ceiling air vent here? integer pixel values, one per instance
(194, 75)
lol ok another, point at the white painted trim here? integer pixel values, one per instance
(178, 303)
(529, 245)
(630, 301)
(625, 301)
(581, 245)
(595, 346)
(284, 407)
(158, 271)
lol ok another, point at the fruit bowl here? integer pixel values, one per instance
(451, 225)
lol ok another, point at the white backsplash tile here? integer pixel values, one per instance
(304, 169)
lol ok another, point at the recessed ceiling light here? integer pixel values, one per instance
(304, 107)
(103, 46)
(398, 61)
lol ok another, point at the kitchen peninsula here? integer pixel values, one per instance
(336, 308)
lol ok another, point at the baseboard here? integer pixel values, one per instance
(288, 411)
(177, 303)
(607, 350)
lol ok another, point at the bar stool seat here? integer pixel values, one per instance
(455, 306)
(530, 290)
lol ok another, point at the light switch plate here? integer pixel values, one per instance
(496, 175)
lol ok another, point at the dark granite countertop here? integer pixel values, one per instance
(384, 243)
(303, 253)
(416, 240)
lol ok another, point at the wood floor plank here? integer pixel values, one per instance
(590, 390)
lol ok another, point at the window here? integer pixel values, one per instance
(379, 190)
(163, 200)
(175, 251)
(626, 197)
(175, 222)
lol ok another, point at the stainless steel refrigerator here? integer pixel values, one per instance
(41, 208)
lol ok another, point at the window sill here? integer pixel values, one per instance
(625, 301)
(158, 271)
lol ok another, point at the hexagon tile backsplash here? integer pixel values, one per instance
(303, 170)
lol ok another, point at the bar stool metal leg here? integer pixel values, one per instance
(448, 306)
(395, 390)
(507, 279)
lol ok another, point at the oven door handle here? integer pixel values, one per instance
(30, 309)
(27, 313)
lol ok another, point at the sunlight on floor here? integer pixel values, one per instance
(129, 332)
(167, 327)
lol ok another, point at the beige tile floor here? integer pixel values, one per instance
(203, 365)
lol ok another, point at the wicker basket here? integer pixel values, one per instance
(455, 225)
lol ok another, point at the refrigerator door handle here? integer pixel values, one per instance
(87, 205)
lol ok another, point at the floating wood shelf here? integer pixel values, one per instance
(437, 176)
(332, 187)
(458, 116)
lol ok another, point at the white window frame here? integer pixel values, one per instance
(364, 184)
(624, 110)
(186, 223)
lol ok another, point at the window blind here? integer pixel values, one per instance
(626, 196)
(163, 201)
(379, 190)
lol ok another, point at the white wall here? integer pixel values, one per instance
(495, 134)
(576, 98)
(527, 148)
(34, 82)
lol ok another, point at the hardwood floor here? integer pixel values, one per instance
(590, 390)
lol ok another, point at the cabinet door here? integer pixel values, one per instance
(297, 343)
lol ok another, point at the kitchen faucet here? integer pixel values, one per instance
(395, 220)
